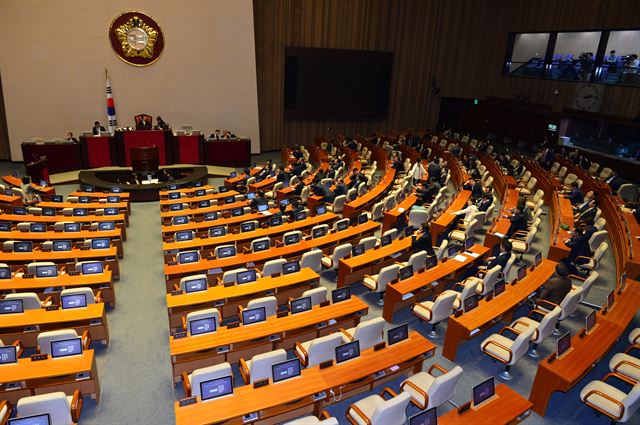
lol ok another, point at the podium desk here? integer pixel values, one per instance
(97, 282)
(101, 151)
(67, 374)
(196, 211)
(391, 217)
(564, 373)
(228, 152)
(281, 401)
(368, 199)
(188, 149)
(61, 156)
(243, 239)
(162, 139)
(501, 307)
(440, 225)
(508, 407)
(26, 326)
(230, 344)
(193, 200)
(188, 191)
(227, 299)
(409, 291)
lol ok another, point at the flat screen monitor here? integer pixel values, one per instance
(106, 225)
(470, 303)
(48, 212)
(406, 272)
(71, 227)
(115, 189)
(590, 321)
(285, 370)
(233, 174)
(11, 306)
(88, 188)
(385, 240)
(397, 334)
(73, 301)
(408, 231)
(428, 417)
(484, 391)
(204, 203)
(285, 184)
(623, 282)
(57, 198)
(246, 276)
(100, 243)
(300, 215)
(319, 232)
(261, 246)
(81, 212)
(251, 195)
(342, 225)
(499, 287)
(215, 232)
(563, 344)
(292, 239)
(263, 207)
(275, 221)
(363, 218)
(47, 271)
(611, 297)
(5, 226)
(202, 326)
(227, 251)
(66, 347)
(176, 207)
(38, 227)
(5, 272)
(538, 258)
(341, 294)
(174, 195)
(254, 315)
(61, 245)
(22, 246)
(111, 211)
(522, 272)
(41, 419)
(468, 243)
(181, 219)
(301, 304)
(8, 354)
(452, 251)
(291, 267)
(348, 351)
(357, 250)
(229, 199)
(321, 210)
(184, 235)
(199, 192)
(195, 285)
(92, 267)
(188, 257)
(237, 212)
(284, 202)
(197, 183)
(223, 189)
(209, 216)
(172, 186)
(19, 210)
(431, 261)
(84, 199)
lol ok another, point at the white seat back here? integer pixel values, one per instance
(386, 275)
(227, 277)
(272, 267)
(46, 338)
(597, 238)
(56, 404)
(256, 241)
(206, 374)
(368, 242)
(317, 295)
(261, 364)
(323, 349)
(570, 303)
(184, 280)
(203, 314)
(442, 249)
(393, 411)
(417, 217)
(30, 300)
(339, 252)
(546, 325)
(338, 203)
(443, 387)
(377, 211)
(312, 259)
(369, 333)
(31, 267)
(587, 284)
(86, 291)
(521, 345)
(270, 305)
(443, 306)
(418, 260)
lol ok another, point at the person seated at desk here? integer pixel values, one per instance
(433, 168)
(517, 171)
(327, 195)
(97, 128)
(396, 163)
(499, 260)
(556, 288)
(614, 181)
(299, 167)
(467, 212)
(584, 163)
(70, 138)
(31, 197)
(588, 214)
(474, 173)
(259, 199)
(351, 144)
(282, 208)
(341, 188)
(582, 206)
(281, 176)
(226, 134)
(160, 124)
(485, 202)
(431, 191)
(215, 135)
(264, 172)
(423, 243)
(296, 152)
(456, 150)
(297, 191)
(297, 207)
(165, 176)
(357, 177)
(575, 195)
(143, 124)
(518, 222)
(579, 244)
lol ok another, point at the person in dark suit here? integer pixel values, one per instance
(264, 172)
(259, 199)
(282, 208)
(579, 244)
(341, 188)
(327, 195)
(518, 222)
(160, 124)
(281, 176)
(297, 153)
(517, 171)
(500, 260)
(431, 191)
(97, 128)
(584, 205)
(433, 169)
(558, 286)
(589, 214)
(484, 203)
(297, 191)
(70, 138)
(615, 181)
(356, 178)
(476, 190)
(575, 195)
(423, 243)
(299, 167)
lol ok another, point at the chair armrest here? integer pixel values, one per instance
(86, 340)
(389, 391)
(279, 243)
(76, 406)
(5, 418)
(605, 396)
(47, 301)
(246, 250)
(360, 413)
(244, 371)
(419, 391)
(300, 348)
(620, 377)
(324, 414)
(99, 298)
(509, 328)
(548, 303)
(536, 311)
(437, 366)
(458, 284)
(240, 308)
(483, 348)
(186, 384)
(627, 350)
(583, 257)
(347, 334)
(176, 287)
(426, 308)
(625, 362)
(575, 276)
(184, 322)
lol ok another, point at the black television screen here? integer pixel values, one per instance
(336, 83)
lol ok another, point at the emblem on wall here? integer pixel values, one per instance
(136, 38)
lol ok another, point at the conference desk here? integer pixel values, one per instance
(164, 193)
(243, 239)
(195, 199)
(558, 249)
(83, 219)
(123, 207)
(565, 372)
(26, 326)
(414, 289)
(67, 374)
(230, 344)
(227, 299)
(265, 184)
(98, 196)
(443, 222)
(500, 227)
(474, 322)
(238, 180)
(61, 156)
(7, 202)
(101, 151)
(227, 152)
(285, 400)
(351, 209)
(97, 282)
(197, 211)
(16, 182)
(38, 237)
(391, 217)
(188, 148)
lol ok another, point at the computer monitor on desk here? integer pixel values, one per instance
(73, 301)
(285, 370)
(47, 271)
(66, 347)
(397, 334)
(229, 200)
(184, 235)
(202, 326)
(237, 212)
(42, 419)
(215, 388)
(92, 267)
(100, 243)
(484, 392)
(522, 272)
(563, 345)
(348, 351)
(38, 227)
(499, 287)
(452, 251)
(174, 195)
(218, 231)
(188, 257)
(537, 259)
(23, 246)
(246, 276)
(205, 203)
(11, 306)
(385, 240)
(468, 243)
(321, 210)
(357, 250)
(5, 272)
(5, 226)
(290, 267)
(226, 252)
(106, 225)
(261, 246)
(48, 212)
(428, 417)
(195, 285)
(406, 272)
(71, 227)
(199, 192)
(301, 304)
(470, 303)
(254, 315)
(8, 354)
(210, 216)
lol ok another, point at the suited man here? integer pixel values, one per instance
(299, 167)
(517, 171)
(547, 158)
(589, 214)
(97, 128)
(356, 178)
(484, 203)
(433, 169)
(431, 190)
(584, 205)
(575, 196)
(423, 243)
(327, 195)
(70, 138)
(476, 189)
(264, 173)
(281, 176)
(502, 258)
(579, 244)
(341, 188)
(518, 222)
(615, 181)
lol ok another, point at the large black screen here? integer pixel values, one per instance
(336, 83)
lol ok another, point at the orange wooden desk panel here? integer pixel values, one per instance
(185, 190)
(391, 217)
(227, 299)
(353, 269)
(295, 393)
(122, 206)
(265, 184)
(502, 224)
(98, 282)
(192, 212)
(10, 200)
(190, 353)
(196, 199)
(118, 219)
(101, 195)
(115, 236)
(46, 376)
(244, 238)
(92, 318)
(445, 220)
(234, 181)
(362, 202)
(420, 282)
(508, 408)
(558, 249)
(16, 182)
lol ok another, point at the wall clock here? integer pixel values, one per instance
(588, 97)
(136, 38)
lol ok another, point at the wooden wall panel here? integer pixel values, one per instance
(459, 42)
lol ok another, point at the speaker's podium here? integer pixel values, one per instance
(144, 159)
(38, 170)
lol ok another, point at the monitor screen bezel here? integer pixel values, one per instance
(338, 290)
(191, 323)
(12, 348)
(249, 310)
(299, 301)
(20, 303)
(565, 337)
(355, 343)
(199, 280)
(405, 327)
(251, 272)
(292, 361)
(63, 297)
(228, 378)
(481, 384)
(78, 339)
(21, 420)
(90, 263)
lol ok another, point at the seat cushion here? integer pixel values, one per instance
(458, 235)
(600, 401)
(518, 245)
(368, 406)
(424, 381)
(326, 261)
(494, 349)
(421, 311)
(371, 283)
(633, 335)
(626, 369)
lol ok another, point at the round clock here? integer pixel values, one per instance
(136, 38)
(587, 97)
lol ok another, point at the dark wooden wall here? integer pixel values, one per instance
(459, 42)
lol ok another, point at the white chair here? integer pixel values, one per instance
(316, 351)
(600, 223)
(32, 267)
(434, 312)
(522, 243)
(605, 173)
(378, 282)
(568, 306)
(626, 365)
(318, 295)
(417, 261)
(324, 227)
(562, 172)
(62, 409)
(338, 204)
(592, 263)
(218, 248)
(272, 267)
(377, 211)
(369, 242)
(610, 401)
(368, 333)
(270, 194)
(597, 238)
(199, 315)
(375, 410)
(340, 251)
(417, 217)
(30, 300)
(191, 381)
(259, 367)
(46, 338)
(297, 233)
(312, 420)
(428, 390)
(227, 277)
(86, 291)
(530, 186)
(270, 305)
(487, 281)
(543, 327)
(469, 288)
(586, 287)
(336, 223)
(441, 251)
(312, 259)
(505, 350)
(554, 168)
(461, 234)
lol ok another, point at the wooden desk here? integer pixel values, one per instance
(196, 199)
(408, 292)
(123, 207)
(362, 202)
(231, 182)
(16, 182)
(193, 352)
(392, 216)
(227, 299)
(97, 282)
(508, 408)
(51, 220)
(38, 237)
(92, 318)
(294, 397)
(7, 202)
(197, 211)
(265, 184)
(51, 375)
(101, 195)
(502, 224)
(164, 194)
(444, 221)
(558, 249)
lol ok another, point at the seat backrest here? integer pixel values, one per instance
(443, 306)
(86, 291)
(30, 300)
(31, 267)
(227, 277)
(320, 226)
(323, 348)
(386, 275)
(45, 338)
(203, 314)
(546, 325)
(207, 373)
(392, 411)
(339, 252)
(605, 173)
(631, 403)
(570, 302)
(470, 287)
(521, 344)
(597, 238)
(443, 387)
(418, 260)
(272, 267)
(471, 228)
(507, 267)
(391, 232)
(338, 203)
(378, 209)
(600, 223)
(587, 284)
(369, 242)
(312, 259)
(256, 241)
(490, 278)
(270, 305)
(317, 295)
(526, 176)
(442, 249)
(261, 364)
(55, 404)
(531, 184)
(417, 217)
(369, 332)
